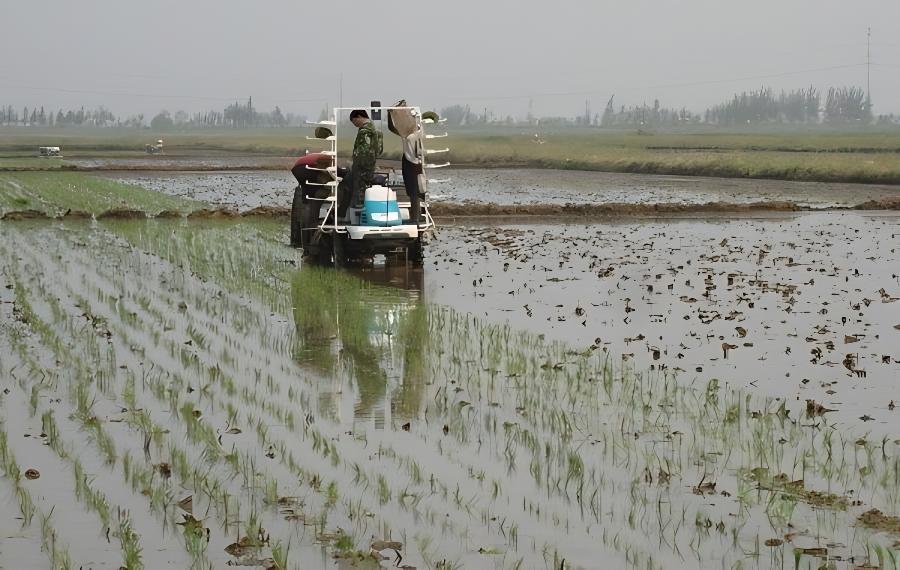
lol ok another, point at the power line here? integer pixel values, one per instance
(869, 66)
(664, 85)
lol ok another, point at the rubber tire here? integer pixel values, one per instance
(415, 253)
(297, 207)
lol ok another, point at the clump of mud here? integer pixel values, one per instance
(876, 520)
(122, 214)
(168, 214)
(268, 212)
(216, 214)
(600, 210)
(882, 204)
(17, 215)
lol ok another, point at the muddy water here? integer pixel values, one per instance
(561, 187)
(809, 304)
(378, 413)
(539, 395)
(184, 162)
(237, 190)
(246, 190)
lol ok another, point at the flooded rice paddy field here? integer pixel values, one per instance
(803, 306)
(236, 190)
(191, 394)
(186, 162)
(249, 189)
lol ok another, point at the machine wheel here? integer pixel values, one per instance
(415, 253)
(297, 207)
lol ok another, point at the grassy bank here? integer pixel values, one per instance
(53, 193)
(812, 155)
(33, 163)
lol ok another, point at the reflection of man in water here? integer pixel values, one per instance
(351, 321)
(362, 172)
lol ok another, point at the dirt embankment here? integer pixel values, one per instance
(602, 210)
(19, 215)
(268, 212)
(882, 204)
(122, 214)
(474, 209)
(454, 210)
(214, 214)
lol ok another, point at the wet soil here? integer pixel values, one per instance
(18, 215)
(170, 162)
(516, 191)
(698, 378)
(793, 296)
(122, 214)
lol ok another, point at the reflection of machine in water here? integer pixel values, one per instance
(367, 339)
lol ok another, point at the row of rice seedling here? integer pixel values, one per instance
(79, 411)
(466, 441)
(750, 459)
(55, 193)
(130, 467)
(96, 314)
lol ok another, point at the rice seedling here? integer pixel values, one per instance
(131, 548)
(13, 472)
(280, 552)
(526, 441)
(59, 557)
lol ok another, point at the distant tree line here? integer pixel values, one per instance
(842, 105)
(640, 116)
(236, 115)
(838, 106)
(37, 116)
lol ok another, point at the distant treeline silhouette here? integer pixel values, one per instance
(645, 116)
(37, 116)
(806, 106)
(236, 115)
(841, 105)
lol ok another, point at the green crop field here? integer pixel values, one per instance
(814, 155)
(53, 193)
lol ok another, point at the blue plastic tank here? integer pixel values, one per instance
(380, 208)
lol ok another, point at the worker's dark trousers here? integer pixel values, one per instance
(411, 182)
(352, 189)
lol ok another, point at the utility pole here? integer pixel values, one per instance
(341, 99)
(869, 68)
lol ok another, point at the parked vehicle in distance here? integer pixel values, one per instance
(156, 148)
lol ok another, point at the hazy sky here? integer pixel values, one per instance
(201, 54)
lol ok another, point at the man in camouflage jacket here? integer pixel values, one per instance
(362, 171)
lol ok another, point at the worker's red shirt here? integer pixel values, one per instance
(310, 159)
(299, 169)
